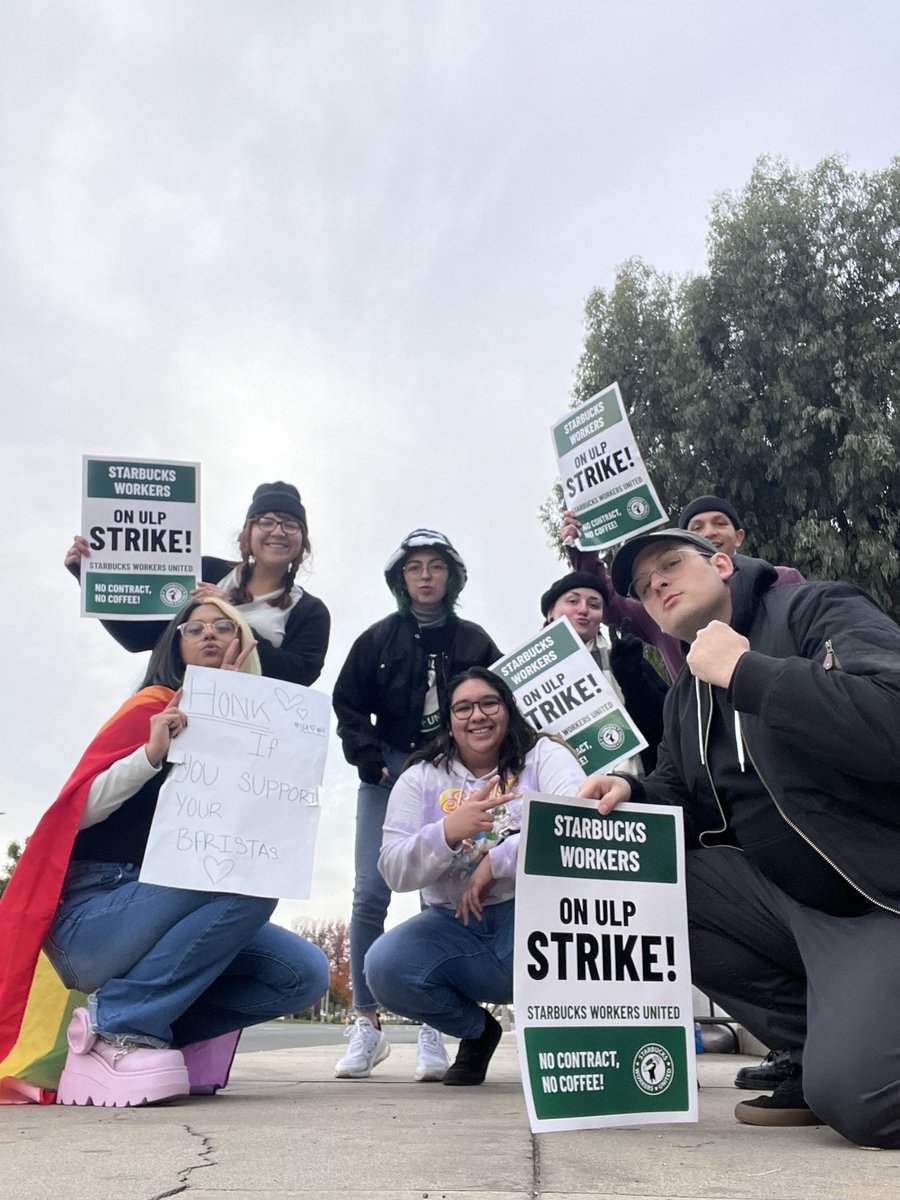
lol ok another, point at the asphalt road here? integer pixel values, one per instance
(282, 1035)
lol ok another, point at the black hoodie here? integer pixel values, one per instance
(813, 713)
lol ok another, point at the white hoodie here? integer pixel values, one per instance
(414, 852)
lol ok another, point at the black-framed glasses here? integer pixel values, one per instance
(670, 566)
(288, 524)
(222, 627)
(463, 709)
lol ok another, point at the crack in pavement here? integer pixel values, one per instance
(184, 1175)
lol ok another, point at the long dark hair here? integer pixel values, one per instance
(520, 737)
(166, 666)
(240, 594)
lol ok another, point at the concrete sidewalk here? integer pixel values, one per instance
(285, 1129)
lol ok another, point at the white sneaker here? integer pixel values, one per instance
(431, 1059)
(368, 1047)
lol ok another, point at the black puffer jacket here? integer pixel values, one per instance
(818, 698)
(385, 678)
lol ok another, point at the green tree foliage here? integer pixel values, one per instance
(772, 378)
(13, 854)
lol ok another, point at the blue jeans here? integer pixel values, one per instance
(371, 895)
(169, 967)
(434, 969)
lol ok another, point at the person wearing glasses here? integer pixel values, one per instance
(710, 516)
(387, 699)
(452, 832)
(291, 626)
(781, 747)
(169, 972)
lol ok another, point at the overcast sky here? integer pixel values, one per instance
(348, 245)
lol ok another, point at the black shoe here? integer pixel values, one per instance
(774, 1069)
(473, 1056)
(786, 1105)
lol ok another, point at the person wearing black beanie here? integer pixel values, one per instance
(582, 598)
(290, 625)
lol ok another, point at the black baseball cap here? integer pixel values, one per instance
(620, 569)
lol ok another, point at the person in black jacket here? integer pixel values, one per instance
(387, 700)
(582, 598)
(291, 627)
(781, 745)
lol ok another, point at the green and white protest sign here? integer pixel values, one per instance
(560, 689)
(141, 519)
(604, 1012)
(604, 480)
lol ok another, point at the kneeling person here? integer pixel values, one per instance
(452, 832)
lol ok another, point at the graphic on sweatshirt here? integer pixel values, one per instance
(507, 820)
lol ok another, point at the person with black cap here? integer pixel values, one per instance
(387, 700)
(582, 598)
(291, 626)
(710, 516)
(781, 748)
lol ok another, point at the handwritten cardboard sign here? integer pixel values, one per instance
(239, 810)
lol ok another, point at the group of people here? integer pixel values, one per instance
(777, 737)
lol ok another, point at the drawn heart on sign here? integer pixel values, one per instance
(288, 702)
(217, 868)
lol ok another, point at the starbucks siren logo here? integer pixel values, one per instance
(174, 594)
(653, 1068)
(611, 736)
(637, 508)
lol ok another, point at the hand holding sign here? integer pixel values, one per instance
(163, 727)
(608, 790)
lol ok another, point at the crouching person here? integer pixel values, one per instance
(170, 971)
(452, 832)
(781, 745)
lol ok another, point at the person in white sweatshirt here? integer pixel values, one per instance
(452, 833)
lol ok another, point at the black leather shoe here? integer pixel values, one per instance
(774, 1069)
(785, 1107)
(473, 1056)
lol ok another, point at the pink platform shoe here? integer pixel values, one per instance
(108, 1076)
(209, 1063)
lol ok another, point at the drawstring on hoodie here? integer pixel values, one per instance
(738, 736)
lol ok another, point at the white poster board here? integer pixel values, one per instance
(602, 474)
(603, 1000)
(239, 811)
(560, 689)
(141, 519)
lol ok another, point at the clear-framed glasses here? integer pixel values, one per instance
(415, 570)
(267, 524)
(222, 627)
(669, 566)
(463, 709)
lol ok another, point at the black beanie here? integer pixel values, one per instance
(708, 504)
(277, 497)
(575, 579)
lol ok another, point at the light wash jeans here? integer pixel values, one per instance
(168, 967)
(371, 895)
(434, 969)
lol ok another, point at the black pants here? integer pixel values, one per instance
(793, 977)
